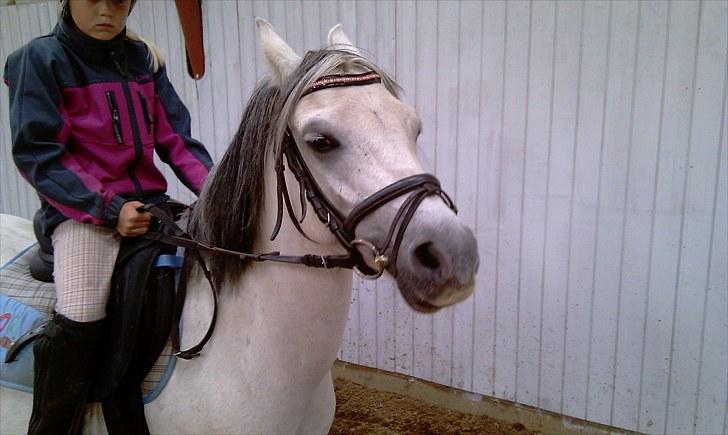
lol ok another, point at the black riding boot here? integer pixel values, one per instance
(63, 355)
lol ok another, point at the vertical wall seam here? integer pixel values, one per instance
(455, 184)
(598, 203)
(710, 247)
(571, 206)
(624, 212)
(500, 183)
(243, 92)
(546, 203)
(393, 288)
(477, 193)
(225, 43)
(415, 101)
(434, 162)
(212, 94)
(654, 208)
(523, 195)
(682, 216)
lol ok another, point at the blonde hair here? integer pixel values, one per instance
(153, 54)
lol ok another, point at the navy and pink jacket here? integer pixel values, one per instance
(86, 117)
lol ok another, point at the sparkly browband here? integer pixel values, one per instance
(335, 81)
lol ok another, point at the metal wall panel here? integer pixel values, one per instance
(584, 142)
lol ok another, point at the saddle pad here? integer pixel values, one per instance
(17, 283)
(24, 304)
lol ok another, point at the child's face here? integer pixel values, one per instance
(100, 19)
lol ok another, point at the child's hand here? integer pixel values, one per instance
(132, 223)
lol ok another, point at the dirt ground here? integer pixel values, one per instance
(361, 410)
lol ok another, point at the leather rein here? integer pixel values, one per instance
(343, 227)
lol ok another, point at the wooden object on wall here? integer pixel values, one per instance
(190, 18)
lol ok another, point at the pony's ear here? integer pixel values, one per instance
(280, 56)
(338, 40)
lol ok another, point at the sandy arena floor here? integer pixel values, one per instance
(361, 410)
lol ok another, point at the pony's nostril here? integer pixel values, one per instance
(426, 255)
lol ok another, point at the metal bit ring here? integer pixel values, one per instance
(379, 259)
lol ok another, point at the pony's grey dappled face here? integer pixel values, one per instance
(357, 140)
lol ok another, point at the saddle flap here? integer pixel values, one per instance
(139, 316)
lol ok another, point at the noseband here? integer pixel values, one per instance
(342, 226)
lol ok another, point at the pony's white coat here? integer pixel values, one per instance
(267, 367)
(17, 234)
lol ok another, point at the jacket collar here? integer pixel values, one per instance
(86, 46)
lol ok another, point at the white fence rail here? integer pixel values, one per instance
(586, 145)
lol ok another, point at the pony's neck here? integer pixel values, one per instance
(281, 309)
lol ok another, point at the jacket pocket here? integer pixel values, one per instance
(145, 110)
(115, 118)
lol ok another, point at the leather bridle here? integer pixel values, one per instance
(343, 227)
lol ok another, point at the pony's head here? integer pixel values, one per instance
(356, 142)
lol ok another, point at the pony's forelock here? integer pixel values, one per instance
(313, 66)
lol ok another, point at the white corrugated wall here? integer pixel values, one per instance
(585, 143)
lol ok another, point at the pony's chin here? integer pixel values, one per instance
(420, 306)
(428, 297)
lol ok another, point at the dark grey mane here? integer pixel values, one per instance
(228, 211)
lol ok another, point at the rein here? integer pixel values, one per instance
(343, 227)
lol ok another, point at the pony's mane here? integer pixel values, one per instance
(228, 210)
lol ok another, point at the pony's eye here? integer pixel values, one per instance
(322, 144)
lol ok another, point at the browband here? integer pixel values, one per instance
(338, 80)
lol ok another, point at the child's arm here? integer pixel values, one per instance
(187, 157)
(39, 134)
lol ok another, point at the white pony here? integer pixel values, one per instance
(267, 368)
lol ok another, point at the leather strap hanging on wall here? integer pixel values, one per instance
(190, 18)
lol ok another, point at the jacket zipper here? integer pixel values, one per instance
(115, 119)
(134, 127)
(145, 109)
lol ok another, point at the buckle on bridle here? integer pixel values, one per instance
(379, 259)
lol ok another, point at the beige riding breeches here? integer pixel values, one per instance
(84, 257)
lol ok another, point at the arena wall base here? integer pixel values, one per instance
(470, 403)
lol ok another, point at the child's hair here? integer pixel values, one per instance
(155, 56)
